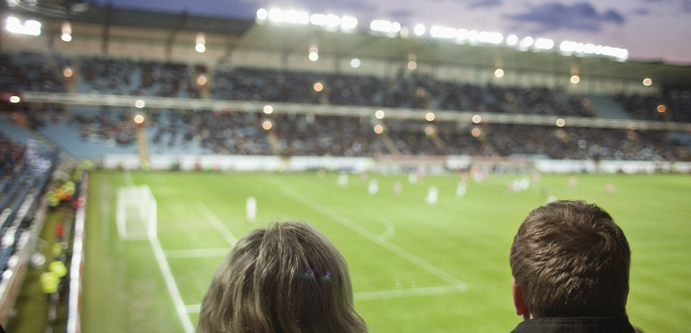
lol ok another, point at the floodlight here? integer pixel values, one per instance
(544, 44)
(477, 119)
(561, 122)
(499, 72)
(378, 129)
(355, 63)
(66, 37)
(348, 22)
(332, 21)
(318, 19)
(379, 114)
(462, 35)
(15, 99)
(575, 79)
(138, 119)
(419, 30)
(429, 116)
(412, 65)
(395, 27)
(68, 72)
(267, 125)
(512, 40)
(314, 56)
(476, 132)
(268, 109)
(442, 32)
(200, 48)
(647, 82)
(661, 108)
(490, 37)
(318, 87)
(262, 14)
(527, 42)
(30, 27)
(202, 80)
(139, 104)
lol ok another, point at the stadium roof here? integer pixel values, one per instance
(360, 44)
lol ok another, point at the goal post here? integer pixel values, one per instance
(136, 213)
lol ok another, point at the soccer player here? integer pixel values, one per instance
(570, 265)
(251, 207)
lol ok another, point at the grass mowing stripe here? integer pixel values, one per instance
(346, 222)
(218, 224)
(400, 293)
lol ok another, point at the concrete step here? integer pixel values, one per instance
(606, 107)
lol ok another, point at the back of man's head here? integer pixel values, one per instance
(570, 259)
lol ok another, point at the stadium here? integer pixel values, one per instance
(138, 146)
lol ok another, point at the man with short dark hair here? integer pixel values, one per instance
(570, 265)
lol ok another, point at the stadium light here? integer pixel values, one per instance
(15, 99)
(314, 56)
(267, 125)
(575, 79)
(379, 114)
(429, 130)
(262, 14)
(429, 116)
(318, 87)
(30, 27)
(544, 44)
(473, 36)
(581, 49)
(66, 37)
(202, 80)
(526, 43)
(378, 129)
(138, 119)
(318, 19)
(66, 32)
(490, 37)
(288, 16)
(268, 109)
(476, 132)
(332, 21)
(412, 65)
(647, 82)
(201, 41)
(419, 30)
(443, 32)
(512, 40)
(477, 119)
(499, 72)
(200, 48)
(68, 72)
(348, 23)
(384, 26)
(661, 108)
(561, 122)
(355, 63)
(139, 104)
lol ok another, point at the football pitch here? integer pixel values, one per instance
(415, 267)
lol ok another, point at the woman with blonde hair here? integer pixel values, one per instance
(285, 278)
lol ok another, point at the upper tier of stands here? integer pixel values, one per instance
(33, 72)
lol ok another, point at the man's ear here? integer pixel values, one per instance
(518, 302)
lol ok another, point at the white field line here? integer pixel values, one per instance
(390, 228)
(172, 286)
(196, 308)
(128, 179)
(348, 223)
(400, 293)
(218, 224)
(197, 253)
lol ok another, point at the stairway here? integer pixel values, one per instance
(606, 107)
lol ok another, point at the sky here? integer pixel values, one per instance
(651, 30)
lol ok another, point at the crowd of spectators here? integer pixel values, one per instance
(674, 106)
(415, 91)
(27, 72)
(139, 78)
(112, 124)
(11, 157)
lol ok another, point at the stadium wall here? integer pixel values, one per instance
(386, 164)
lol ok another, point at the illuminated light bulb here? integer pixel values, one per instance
(512, 40)
(561, 122)
(262, 14)
(499, 72)
(647, 82)
(379, 114)
(477, 119)
(138, 119)
(575, 79)
(139, 104)
(412, 65)
(429, 116)
(268, 109)
(318, 87)
(66, 37)
(355, 63)
(200, 48)
(267, 125)
(378, 129)
(202, 80)
(15, 99)
(419, 30)
(661, 108)
(314, 56)
(476, 132)
(68, 72)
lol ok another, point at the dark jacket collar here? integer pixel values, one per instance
(576, 325)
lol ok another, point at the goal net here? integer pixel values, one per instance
(136, 213)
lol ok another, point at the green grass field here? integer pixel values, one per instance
(404, 256)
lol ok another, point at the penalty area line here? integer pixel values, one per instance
(197, 253)
(173, 290)
(211, 217)
(383, 242)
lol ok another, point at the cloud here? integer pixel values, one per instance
(485, 3)
(400, 14)
(641, 11)
(555, 16)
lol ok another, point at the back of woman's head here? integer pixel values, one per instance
(288, 278)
